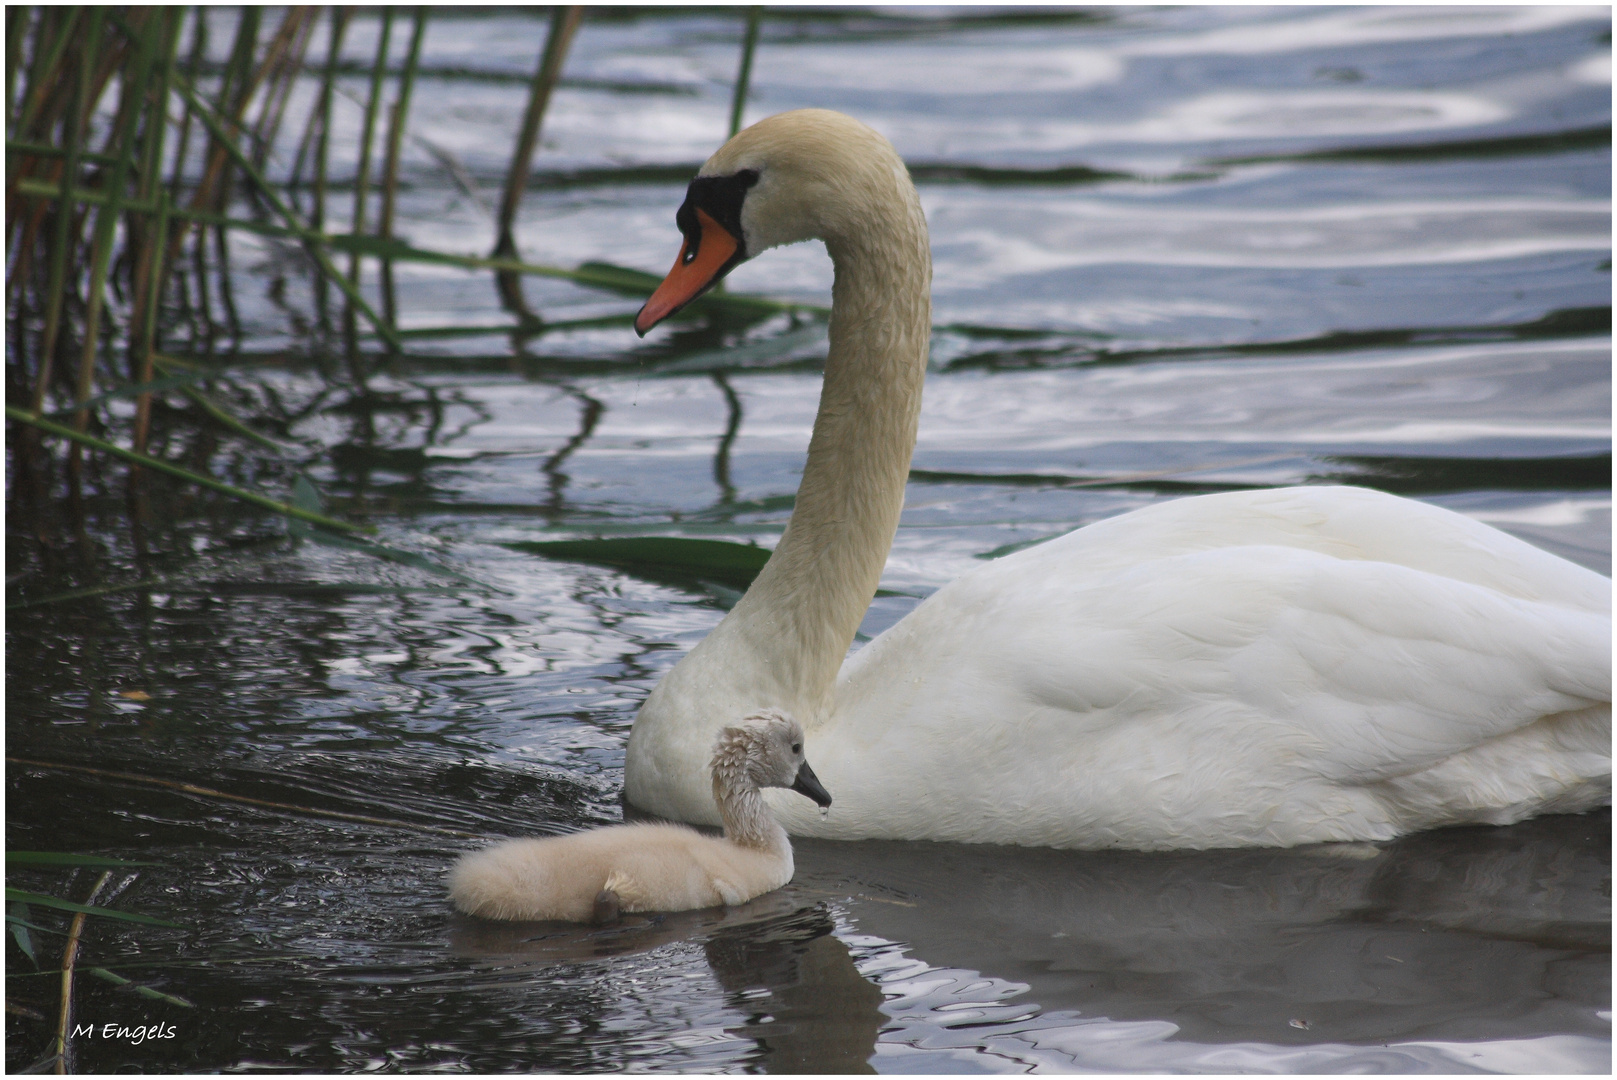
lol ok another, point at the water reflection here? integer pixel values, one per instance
(1444, 950)
(808, 1008)
(556, 481)
(721, 456)
(1459, 934)
(804, 1004)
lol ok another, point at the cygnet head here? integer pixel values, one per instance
(809, 174)
(764, 750)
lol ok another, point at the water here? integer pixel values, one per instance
(1428, 314)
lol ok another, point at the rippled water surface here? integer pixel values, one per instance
(1177, 251)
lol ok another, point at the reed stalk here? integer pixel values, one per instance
(563, 25)
(199, 48)
(292, 70)
(148, 280)
(749, 45)
(17, 18)
(282, 60)
(72, 268)
(70, 955)
(339, 27)
(240, 83)
(174, 239)
(61, 253)
(313, 241)
(390, 170)
(133, 96)
(242, 79)
(47, 64)
(44, 60)
(362, 182)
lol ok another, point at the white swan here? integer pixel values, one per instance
(1258, 668)
(593, 876)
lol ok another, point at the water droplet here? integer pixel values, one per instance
(825, 811)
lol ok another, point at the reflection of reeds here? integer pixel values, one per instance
(135, 152)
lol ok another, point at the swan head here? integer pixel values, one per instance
(809, 174)
(764, 750)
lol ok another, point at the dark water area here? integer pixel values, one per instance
(1177, 251)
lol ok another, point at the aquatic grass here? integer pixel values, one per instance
(289, 217)
(261, 501)
(64, 858)
(89, 593)
(1594, 137)
(144, 991)
(45, 900)
(226, 796)
(48, 155)
(284, 61)
(48, 61)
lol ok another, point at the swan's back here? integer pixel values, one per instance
(1273, 667)
(1355, 524)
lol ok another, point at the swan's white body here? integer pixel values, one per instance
(1259, 668)
(654, 866)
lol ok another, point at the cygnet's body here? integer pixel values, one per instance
(593, 876)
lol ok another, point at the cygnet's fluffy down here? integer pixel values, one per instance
(593, 876)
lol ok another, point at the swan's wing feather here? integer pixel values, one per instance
(1258, 668)
(1387, 670)
(1270, 665)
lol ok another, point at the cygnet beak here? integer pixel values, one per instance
(809, 784)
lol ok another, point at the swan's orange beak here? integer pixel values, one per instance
(694, 273)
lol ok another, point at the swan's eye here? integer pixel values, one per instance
(797, 748)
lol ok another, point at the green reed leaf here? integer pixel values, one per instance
(659, 557)
(41, 900)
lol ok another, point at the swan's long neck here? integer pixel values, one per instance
(782, 644)
(800, 615)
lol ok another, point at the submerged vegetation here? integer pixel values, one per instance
(132, 163)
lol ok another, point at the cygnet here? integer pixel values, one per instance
(595, 875)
